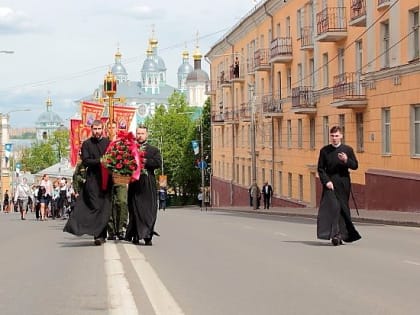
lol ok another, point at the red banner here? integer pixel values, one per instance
(75, 143)
(90, 112)
(123, 115)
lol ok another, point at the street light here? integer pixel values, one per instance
(4, 136)
(110, 89)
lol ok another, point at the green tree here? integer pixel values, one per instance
(43, 154)
(172, 130)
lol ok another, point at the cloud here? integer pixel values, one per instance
(144, 12)
(15, 22)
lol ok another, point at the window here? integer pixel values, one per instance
(278, 30)
(386, 131)
(300, 134)
(300, 74)
(312, 133)
(289, 185)
(289, 133)
(288, 27)
(280, 183)
(299, 23)
(359, 132)
(385, 44)
(325, 71)
(342, 124)
(325, 130)
(289, 81)
(415, 122)
(300, 187)
(279, 134)
(415, 38)
(312, 73)
(279, 83)
(263, 174)
(340, 59)
(243, 174)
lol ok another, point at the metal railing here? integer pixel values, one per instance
(261, 58)
(271, 104)
(303, 97)
(307, 36)
(358, 9)
(331, 20)
(348, 85)
(281, 46)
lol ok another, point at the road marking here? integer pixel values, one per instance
(161, 299)
(280, 233)
(412, 262)
(120, 297)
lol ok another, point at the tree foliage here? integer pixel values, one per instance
(172, 129)
(43, 154)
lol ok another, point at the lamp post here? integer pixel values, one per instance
(110, 89)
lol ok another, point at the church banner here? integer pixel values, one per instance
(123, 116)
(75, 141)
(90, 112)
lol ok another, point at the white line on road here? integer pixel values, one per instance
(161, 299)
(412, 262)
(120, 297)
(280, 233)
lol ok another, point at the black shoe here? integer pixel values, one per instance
(111, 238)
(135, 241)
(336, 241)
(148, 242)
(98, 241)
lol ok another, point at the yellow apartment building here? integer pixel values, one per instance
(291, 69)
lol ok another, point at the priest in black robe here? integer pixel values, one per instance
(93, 206)
(334, 219)
(142, 194)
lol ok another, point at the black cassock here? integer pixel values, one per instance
(93, 205)
(334, 212)
(142, 198)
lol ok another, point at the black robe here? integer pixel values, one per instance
(142, 198)
(93, 206)
(334, 211)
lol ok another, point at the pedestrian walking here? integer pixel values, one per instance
(6, 205)
(142, 194)
(334, 220)
(267, 192)
(162, 198)
(93, 206)
(22, 194)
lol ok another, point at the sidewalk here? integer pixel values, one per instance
(368, 216)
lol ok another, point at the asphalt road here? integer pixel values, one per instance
(209, 263)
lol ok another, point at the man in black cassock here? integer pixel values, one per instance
(93, 205)
(334, 220)
(142, 194)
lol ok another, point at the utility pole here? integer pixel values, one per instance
(202, 162)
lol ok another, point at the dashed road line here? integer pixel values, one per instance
(120, 297)
(160, 298)
(412, 262)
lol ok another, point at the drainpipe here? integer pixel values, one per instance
(272, 95)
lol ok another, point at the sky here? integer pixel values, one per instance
(63, 49)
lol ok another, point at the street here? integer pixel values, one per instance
(209, 263)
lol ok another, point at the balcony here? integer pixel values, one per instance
(211, 87)
(217, 117)
(358, 13)
(245, 112)
(229, 116)
(303, 100)
(331, 25)
(272, 105)
(307, 38)
(224, 79)
(348, 91)
(261, 60)
(382, 4)
(281, 50)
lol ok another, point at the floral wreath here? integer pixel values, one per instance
(124, 157)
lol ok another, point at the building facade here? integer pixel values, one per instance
(289, 71)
